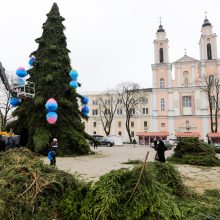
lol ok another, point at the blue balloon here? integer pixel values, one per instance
(32, 61)
(73, 74)
(85, 110)
(21, 72)
(85, 100)
(51, 106)
(15, 101)
(73, 84)
(20, 81)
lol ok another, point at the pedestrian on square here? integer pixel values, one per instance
(161, 148)
(134, 142)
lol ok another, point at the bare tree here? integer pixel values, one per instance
(211, 86)
(5, 107)
(107, 103)
(130, 95)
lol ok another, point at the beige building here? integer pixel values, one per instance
(141, 121)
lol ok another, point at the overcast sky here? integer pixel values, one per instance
(111, 41)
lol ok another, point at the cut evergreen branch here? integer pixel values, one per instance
(194, 152)
(31, 190)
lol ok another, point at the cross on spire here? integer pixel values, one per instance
(205, 12)
(185, 51)
(160, 18)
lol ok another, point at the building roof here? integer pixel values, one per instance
(161, 29)
(153, 134)
(186, 58)
(217, 134)
(187, 134)
(206, 22)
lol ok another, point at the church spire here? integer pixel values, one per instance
(160, 29)
(161, 45)
(206, 21)
(208, 43)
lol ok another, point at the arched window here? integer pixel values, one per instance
(161, 55)
(209, 51)
(162, 104)
(162, 83)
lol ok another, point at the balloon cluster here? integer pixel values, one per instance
(21, 72)
(73, 84)
(51, 106)
(73, 75)
(85, 108)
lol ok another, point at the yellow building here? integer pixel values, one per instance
(141, 121)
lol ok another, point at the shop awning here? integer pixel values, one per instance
(214, 135)
(188, 134)
(153, 134)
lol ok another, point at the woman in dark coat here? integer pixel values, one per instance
(161, 148)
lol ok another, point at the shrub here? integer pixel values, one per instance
(194, 152)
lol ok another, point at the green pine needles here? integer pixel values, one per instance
(194, 152)
(51, 77)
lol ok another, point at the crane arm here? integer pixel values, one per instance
(5, 80)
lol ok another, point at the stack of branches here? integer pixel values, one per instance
(29, 189)
(194, 152)
(125, 194)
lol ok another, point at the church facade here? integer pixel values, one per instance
(177, 105)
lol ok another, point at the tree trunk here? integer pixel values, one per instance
(211, 115)
(128, 128)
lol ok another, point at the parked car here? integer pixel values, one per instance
(217, 147)
(104, 140)
(166, 143)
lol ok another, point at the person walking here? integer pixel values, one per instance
(161, 148)
(155, 143)
(10, 142)
(52, 157)
(54, 146)
(95, 145)
(134, 142)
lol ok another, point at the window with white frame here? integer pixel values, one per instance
(162, 104)
(187, 102)
(162, 83)
(132, 124)
(95, 112)
(145, 111)
(94, 124)
(132, 133)
(119, 111)
(145, 125)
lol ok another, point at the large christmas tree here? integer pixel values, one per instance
(50, 74)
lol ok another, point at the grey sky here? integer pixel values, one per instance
(111, 41)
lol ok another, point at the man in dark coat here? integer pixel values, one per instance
(161, 148)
